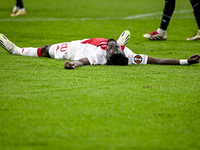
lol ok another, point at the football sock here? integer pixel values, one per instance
(16, 8)
(28, 51)
(196, 7)
(167, 13)
(20, 4)
(22, 9)
(161, 30)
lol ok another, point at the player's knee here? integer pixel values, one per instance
(45, 51)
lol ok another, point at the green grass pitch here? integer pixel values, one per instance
(44, 106)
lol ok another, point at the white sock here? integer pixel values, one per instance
(198, 32)
(22, 9)
(28, 51)
(161, 30)
(17, 50)
(16, 8)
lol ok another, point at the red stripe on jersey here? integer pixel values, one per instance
(39, 52)
(97, 42)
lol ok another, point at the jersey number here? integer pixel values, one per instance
(63, 47)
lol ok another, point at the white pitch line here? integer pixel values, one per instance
(156, 13)
(140, 16)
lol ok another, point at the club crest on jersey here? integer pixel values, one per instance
(138, 59)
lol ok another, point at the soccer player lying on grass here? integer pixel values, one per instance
(96, 51)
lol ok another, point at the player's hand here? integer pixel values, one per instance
(69, 65)
(194, 59)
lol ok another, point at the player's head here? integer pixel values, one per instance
(114, 54)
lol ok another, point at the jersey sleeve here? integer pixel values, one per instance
(135, 58)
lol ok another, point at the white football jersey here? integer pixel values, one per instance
(93, 49)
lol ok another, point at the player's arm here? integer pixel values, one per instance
(76, 63)
(160, 61)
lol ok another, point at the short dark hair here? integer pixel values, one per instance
(110, 40)
(117, 59)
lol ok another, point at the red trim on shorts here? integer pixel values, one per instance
(39, 52)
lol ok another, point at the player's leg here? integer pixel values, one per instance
(20, 4)
(161, 33)
(44, 50)
(167, 13)
(196, 10)
(29, 51)
(15, 9)
(18, 9)
(35, 52)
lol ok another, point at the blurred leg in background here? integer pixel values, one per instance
(196, 10)
(18, 9)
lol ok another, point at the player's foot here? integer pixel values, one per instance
(15, 10)
(156, 35)
(6, 44)
(124, 38)
(20, 12)
(195, 37)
